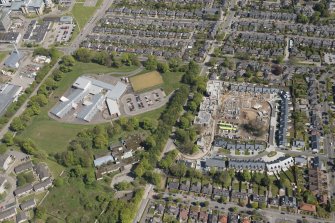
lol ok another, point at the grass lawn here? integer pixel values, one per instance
(75, 201)
(55, 168)
(171, 81)
(243, 186)
(236, 186)
(154, 114)
(224, 151)
(83, 13)
(3, 55)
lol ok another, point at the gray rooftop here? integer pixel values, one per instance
(21, 217)
(22, 190)
(23, 167)
(44, 184)
(8, 93)
(89, 111)
(118, 90)
(28, 204)
(64, 107)
(103, 160)
(7, 214)
(215, 163)
(13, 59)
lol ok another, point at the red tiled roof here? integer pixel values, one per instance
(307, 207)
(223, 219)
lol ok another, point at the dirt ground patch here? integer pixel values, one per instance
(145, 81)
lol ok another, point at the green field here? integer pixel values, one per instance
(74, 201)
(82, 13)
(53, 136)
(3, 55)
(171, 81)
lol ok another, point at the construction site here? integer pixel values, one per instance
(243, 115)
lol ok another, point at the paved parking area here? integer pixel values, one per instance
(90, 3)
(135, 104)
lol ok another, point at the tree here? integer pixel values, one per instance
(40, 212)
(148, 124)
(150, 142)
(17, 125)
(117, 63)
(151, 63)
(41, 51)
(174, 64)
(246, 175)
(163, 67)
(301, 18)
(178, 170)
(8, 139)
(134, 60)
(184, 123)
(125, 59)
(39, 99)
(100, 141)
(83, 55)
(134, 123)
(265, 181)
(89, 177)
(181, 135)
(277, 69)
(139, 170)
(68, 60)
(254, 205)
(100, 58)
(257, 178)
(153, 178)
(123, 185)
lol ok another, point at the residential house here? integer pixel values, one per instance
(23, 167)
(21, 217)
(223, 219)
(317, 181)
(5, 160)
(207, 189)
(185, 185)
(212, 218)
(311, 208)
(172, 210)
(196, 187)
(160, 209)
(173, 185)
(28, 205)
(194, 213)
(300, 161)
(23, 190)
(203, 217)
(42, 171)
(288, 201)
(7, 214)
(183, 214)
(239, 195)
(42, 185)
